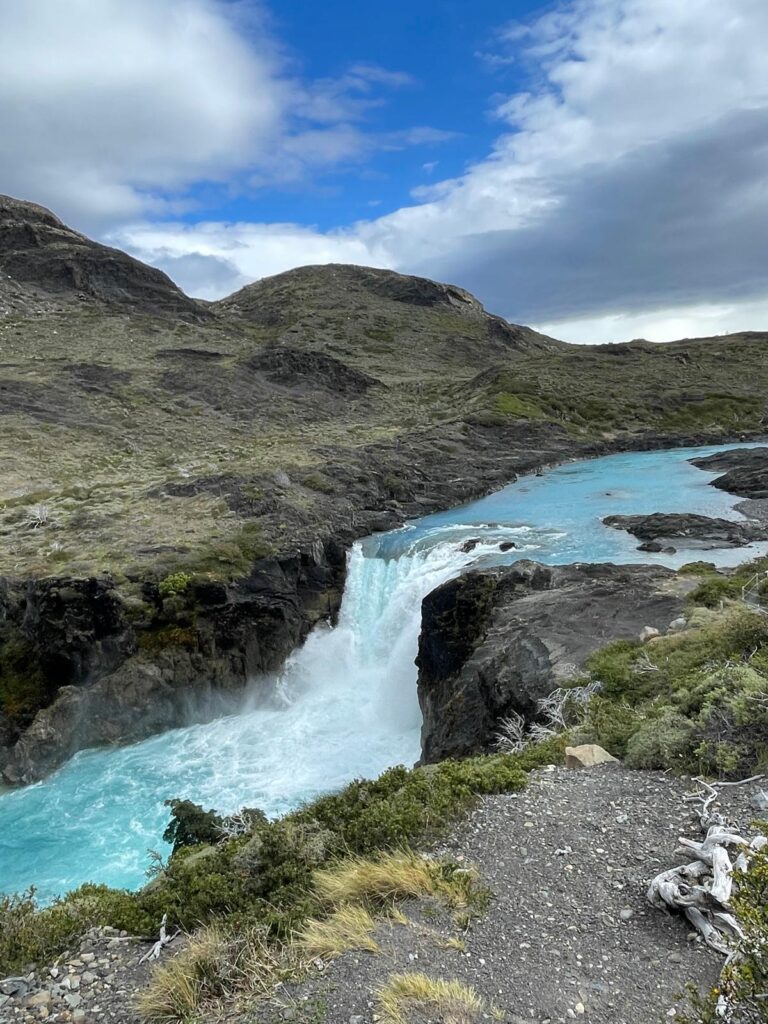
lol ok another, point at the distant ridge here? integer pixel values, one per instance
(41, 258)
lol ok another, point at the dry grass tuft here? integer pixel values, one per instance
(394, 876)
(404, 996)
(396, 916)
(215, 963)
(349, 927)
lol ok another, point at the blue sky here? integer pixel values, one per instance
(596, 168)
(447, 50)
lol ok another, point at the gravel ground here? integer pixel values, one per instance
(95, 984)
(568, 934)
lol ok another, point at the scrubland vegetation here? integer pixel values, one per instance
(264, 898)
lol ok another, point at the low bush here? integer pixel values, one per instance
(190, 825)
(174, 584)
(694, 701)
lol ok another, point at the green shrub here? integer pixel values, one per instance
(174, 584)
(712, 592)
(265, 875)
(660, 742)
(695, 700)
(190, 825)
(698, 569)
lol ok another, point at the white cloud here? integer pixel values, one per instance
(210, 260)
(114, 109)
(627, 186)
(108, 105)
(673, 324)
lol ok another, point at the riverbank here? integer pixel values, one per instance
(566, 926)
(656, 701)
(180, 481)
(360, 679)
(104, 668)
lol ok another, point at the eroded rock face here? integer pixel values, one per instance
(661, 531)
(497, 641)
(745, 471)
(116, 681)
(40, 251)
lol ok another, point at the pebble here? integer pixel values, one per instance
(626, 914)
(60, 993)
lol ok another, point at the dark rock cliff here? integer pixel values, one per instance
(496, 641)
(114, 680)
(42, 256)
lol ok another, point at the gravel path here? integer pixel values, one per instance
(95, 984)
(568, 934)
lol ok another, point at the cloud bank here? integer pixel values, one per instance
(626, 191)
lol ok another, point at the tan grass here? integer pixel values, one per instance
(405, 995)
(394, 876)
(215, 963)
(349, 927)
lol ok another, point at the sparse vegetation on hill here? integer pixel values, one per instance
(150, 439)
(684, 386)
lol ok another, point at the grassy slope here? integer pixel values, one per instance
(707, 384)
(100, 411)
(114, 385)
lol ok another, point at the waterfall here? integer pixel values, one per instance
(345, 705)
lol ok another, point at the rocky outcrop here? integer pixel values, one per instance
(668, 532)
(117, 672)
(44, 257)
(745, 471)
(106, 668)
(497, 641)
(291, 367)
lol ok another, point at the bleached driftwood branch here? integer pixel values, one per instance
(164, 940)
(701, 889)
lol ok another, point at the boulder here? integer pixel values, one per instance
(587, 755)
(648, 633)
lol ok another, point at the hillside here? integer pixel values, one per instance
(125, 404)
(179, 481)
